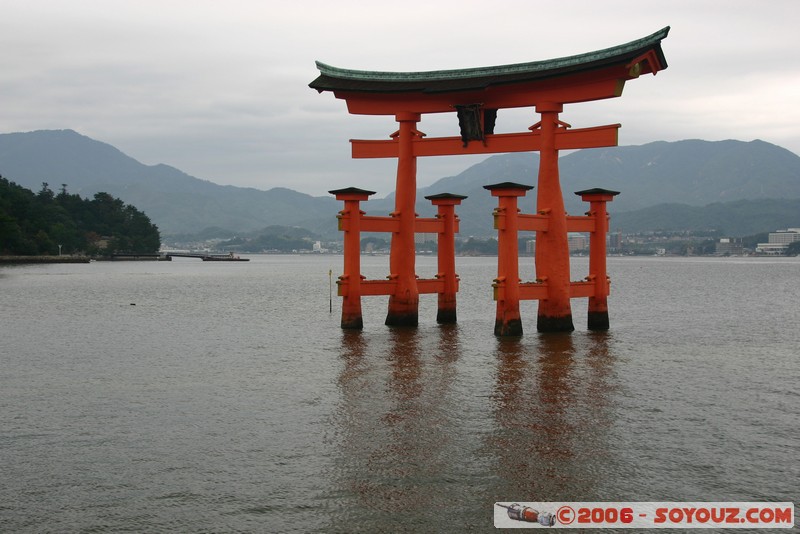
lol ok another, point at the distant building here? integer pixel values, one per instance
(578, 242)
(421, 238)
(614, 241)
(728, 246)
(772, 249)
(530, 246)
(779, 241)
(785, 236)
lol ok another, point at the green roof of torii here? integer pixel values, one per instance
(337, 79)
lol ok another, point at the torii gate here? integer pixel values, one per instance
(476, 95)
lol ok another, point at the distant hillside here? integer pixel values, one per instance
(693, 172)
(735, 219)
(690, 172)
(46, 223)
(175, 201)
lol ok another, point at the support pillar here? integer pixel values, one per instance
(506, 221)
(552, 245)
(446, 251)
(404, 303)
(598, 304)
(349, 283)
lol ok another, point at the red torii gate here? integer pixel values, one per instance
(476, 95)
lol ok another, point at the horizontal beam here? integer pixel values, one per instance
(369, 288)
(581, 289)
(428, 225)
(371, 223)
(531, 223)
(430, 285)
(538, 291)
(595, 137)
(580, 87)
(532, 291)
(377, 287)
(580, 223)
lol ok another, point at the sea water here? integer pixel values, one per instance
(224, 397)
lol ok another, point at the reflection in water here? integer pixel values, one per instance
(601, 365)
(394, 424)
(394, 464)
(551, 406)
(407, 447)
(253, 415)
(555, 394)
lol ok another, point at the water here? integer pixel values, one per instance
(224, 397)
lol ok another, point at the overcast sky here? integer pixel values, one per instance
(220, 89)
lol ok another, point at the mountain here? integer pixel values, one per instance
(476, 211)
(735, 219)
(693, 173)
(689, 172)
(173, 200)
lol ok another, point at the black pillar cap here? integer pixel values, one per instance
(444, 196)
(597, 191)
(351, 190)
(508, 185)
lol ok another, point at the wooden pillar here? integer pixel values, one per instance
(598, 304)
(349, 284)
(404, 303)
(552, 245)
(446, 251)
(506, 222)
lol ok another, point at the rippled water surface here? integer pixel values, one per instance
(221, 397)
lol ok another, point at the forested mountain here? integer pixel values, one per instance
(692, 173)
(739, 181)
(38, 223)
(174, 200)
(734, 219)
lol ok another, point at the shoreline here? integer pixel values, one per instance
(10, 260)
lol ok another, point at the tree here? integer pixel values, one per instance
(473, 247)
(46, 193)
(378, 243)
(33, 224)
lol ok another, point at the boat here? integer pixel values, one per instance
(224, 257)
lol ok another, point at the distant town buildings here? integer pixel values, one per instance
(614, 241)
(421, 238)
(729, 246)
(655, 243)
(778, 242)
(530, 246)
(578, 242)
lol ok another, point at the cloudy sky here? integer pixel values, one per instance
(220, 89)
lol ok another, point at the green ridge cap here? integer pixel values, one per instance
(498, 70)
